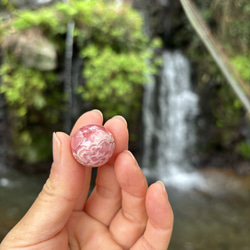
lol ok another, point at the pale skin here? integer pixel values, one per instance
(121, 213)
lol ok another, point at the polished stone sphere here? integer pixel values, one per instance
(92, 145)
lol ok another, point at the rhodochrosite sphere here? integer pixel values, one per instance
(92, 145)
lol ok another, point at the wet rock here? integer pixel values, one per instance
(242, 168)
(162, 18)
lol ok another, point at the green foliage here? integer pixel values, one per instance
(95, 22)
(33, 146)
(234, 28)
(243, 149)
(4, 2)
(115, 52)
(227, 111)
(23, 87)
(229, 106)
(46, 19)
(7, 5)
(24, 90)
(115, 80)
(241, 64)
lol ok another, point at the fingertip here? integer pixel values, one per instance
(61, 148)
(131, 158)
(162, 188)
(159, 227)
(129, 174)
(97, 111)
(158, 207)
(94, 116)
(65, 169)
(118, 127)
(118, 119)
(122, 119)
(56, 149)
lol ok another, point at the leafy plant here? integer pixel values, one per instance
(243, 149)
(241, 64)
(115, 80)
(24, 90)
(115, 51)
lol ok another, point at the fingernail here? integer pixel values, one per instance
(98, 111)
(134, 159)
(56, 149)
(122, 119)
(163, 188)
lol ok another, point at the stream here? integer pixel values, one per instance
(17, 193)
(214, 215)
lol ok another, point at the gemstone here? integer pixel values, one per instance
(92, 145)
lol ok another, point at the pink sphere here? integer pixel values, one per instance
(92, 145)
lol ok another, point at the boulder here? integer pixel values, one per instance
(32, 48)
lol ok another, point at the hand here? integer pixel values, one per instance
(121, 213)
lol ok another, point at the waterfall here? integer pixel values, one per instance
(169, 109)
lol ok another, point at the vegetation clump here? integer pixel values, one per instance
(115, 51)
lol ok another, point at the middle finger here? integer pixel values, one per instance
(105, 199)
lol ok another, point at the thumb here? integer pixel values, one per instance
(53, 207)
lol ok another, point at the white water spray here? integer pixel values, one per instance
(169, 109)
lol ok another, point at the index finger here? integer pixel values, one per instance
(91, 117)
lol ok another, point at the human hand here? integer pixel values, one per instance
(121, 213)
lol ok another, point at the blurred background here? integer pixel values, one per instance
(141, 59)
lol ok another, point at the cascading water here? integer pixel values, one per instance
(169, 109)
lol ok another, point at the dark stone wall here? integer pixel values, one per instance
(164, 18)
(4, 132)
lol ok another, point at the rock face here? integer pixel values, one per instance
(33, 49)
(163, 18)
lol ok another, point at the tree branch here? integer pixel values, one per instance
(217, 53)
